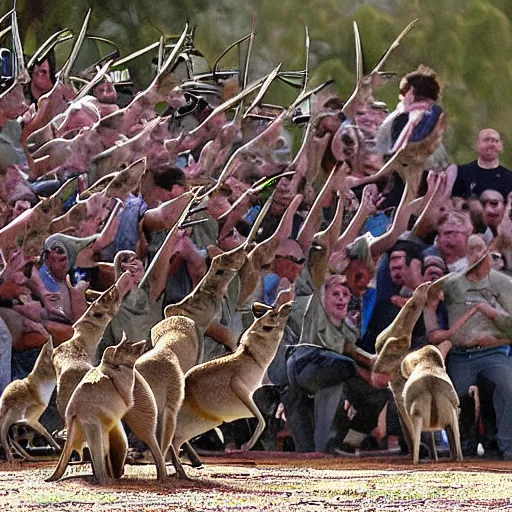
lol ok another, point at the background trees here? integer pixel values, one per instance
(468, 42)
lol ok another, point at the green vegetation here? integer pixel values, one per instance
(468, 42)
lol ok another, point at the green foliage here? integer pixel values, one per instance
(467, 42)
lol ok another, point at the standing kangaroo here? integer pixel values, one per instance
(74, 358)
(95, 411)
(203, 303)
(392, 345)
(162, 370)
(221, 390)
(430, 400)
(26, 400)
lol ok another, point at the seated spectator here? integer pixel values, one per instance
(484, 173)
(479, 311)
(327, 356)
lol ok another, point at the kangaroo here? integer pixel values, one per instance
(221, 390)
(203, 304)
(163, 371)
(26, 400)
(430, 399)
(392, 345)
(95, 410)
(74, 358)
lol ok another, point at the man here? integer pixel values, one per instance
(493, 206)
(481, 345)
(409, 256)
(150, 211)
(42, 77)
(326, 356)
(453, 231)
(64, 302)
(485, 172)
(369, 117)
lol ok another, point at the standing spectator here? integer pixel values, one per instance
(485, 172)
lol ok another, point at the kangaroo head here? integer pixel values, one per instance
(222, 269)
(124, 353)
(105, 307)
(391, 353)
(273, 318)
(429, 355)
(232, 260)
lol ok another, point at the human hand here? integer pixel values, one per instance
(379, 380)
(368, 206)
(31, 309)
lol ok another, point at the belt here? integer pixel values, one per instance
(473, 350)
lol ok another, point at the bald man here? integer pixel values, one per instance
(486, 173)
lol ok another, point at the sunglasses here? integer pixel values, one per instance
(496, 256)
(298, 261)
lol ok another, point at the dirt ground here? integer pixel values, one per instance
(269, 481)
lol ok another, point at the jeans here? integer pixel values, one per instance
(5, 355)
(494, 365)
(311, 369)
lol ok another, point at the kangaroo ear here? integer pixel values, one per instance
(123, 340)
(109, 352)
(408, 364)
(139, 347)
(259, 309)
(286, 308)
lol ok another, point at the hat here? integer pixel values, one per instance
(71, 245)
(432, 260)
(359, 249)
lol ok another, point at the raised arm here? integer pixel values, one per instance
(108, 233)
(155, 276)
(314, 219)
(318, 260)
(366, 208)
(439, 192)
(400, 223)
(163, 216)
(262, 255)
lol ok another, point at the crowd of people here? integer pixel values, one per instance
(367, 209)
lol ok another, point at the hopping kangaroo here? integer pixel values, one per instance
(161, 369)
(95, 410)
(392, 345)
(430, 399)
(203, 304)
(26, 399)
(221, 390)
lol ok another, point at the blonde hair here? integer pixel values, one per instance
(330, 282)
